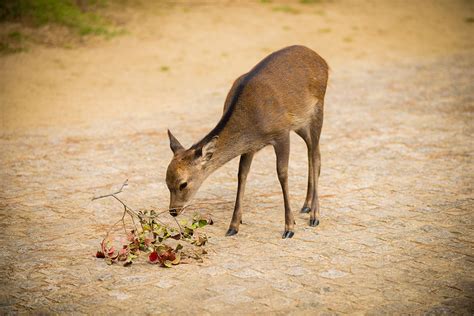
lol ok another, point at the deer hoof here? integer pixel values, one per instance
(305, 210)
(314, 222)
(231, 232)
(287, 234)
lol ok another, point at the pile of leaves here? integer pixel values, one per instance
(162, 243)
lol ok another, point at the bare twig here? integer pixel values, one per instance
(177, 223)
(111, 194)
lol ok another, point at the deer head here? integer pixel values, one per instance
(187, 171)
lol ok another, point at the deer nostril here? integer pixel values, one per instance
(173, 212)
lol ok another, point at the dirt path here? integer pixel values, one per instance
(397, 227)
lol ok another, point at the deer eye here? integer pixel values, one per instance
(183, 186)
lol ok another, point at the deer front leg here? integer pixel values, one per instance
(244, 168)
(282, 151)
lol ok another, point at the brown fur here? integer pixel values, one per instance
(283, 93)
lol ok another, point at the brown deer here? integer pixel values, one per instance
(283, 93)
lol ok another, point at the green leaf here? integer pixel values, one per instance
(162, 248)
(188, 232)
(178, 248)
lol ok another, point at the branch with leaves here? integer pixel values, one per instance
(162, 243)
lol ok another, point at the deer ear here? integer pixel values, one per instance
(205, 153)
(174, 143)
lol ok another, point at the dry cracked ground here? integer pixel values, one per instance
(396, 233)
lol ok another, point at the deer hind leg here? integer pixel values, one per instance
(305, 133)
(244, 168)
(316, 126)
(282, 151)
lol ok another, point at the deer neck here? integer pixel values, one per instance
(230, 144)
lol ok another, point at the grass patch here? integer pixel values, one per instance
(310, 1)
(12, 42)
(7, 48)
(286, 9)
(266, 1)
(70, 21)
(16, 36)
(325, 30)
(164, 68)
(61, 12)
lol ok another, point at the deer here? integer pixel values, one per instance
(284, 92)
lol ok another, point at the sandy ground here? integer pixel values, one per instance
(396, 234)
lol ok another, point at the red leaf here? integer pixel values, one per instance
(131, 236)
(153, 257)
(122, 254)
(99, 254)
(169, 255)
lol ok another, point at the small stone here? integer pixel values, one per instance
(104, 277)
(165, 284)
(119, 295)
(297, 271)
(286, 286)
(333, 274)
(135, 278)
(247, 273)
(213, 271)
(234, 289)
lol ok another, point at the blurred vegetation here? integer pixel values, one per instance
(286, 9)
(76, 15)
(23, 22)
(13, 43)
